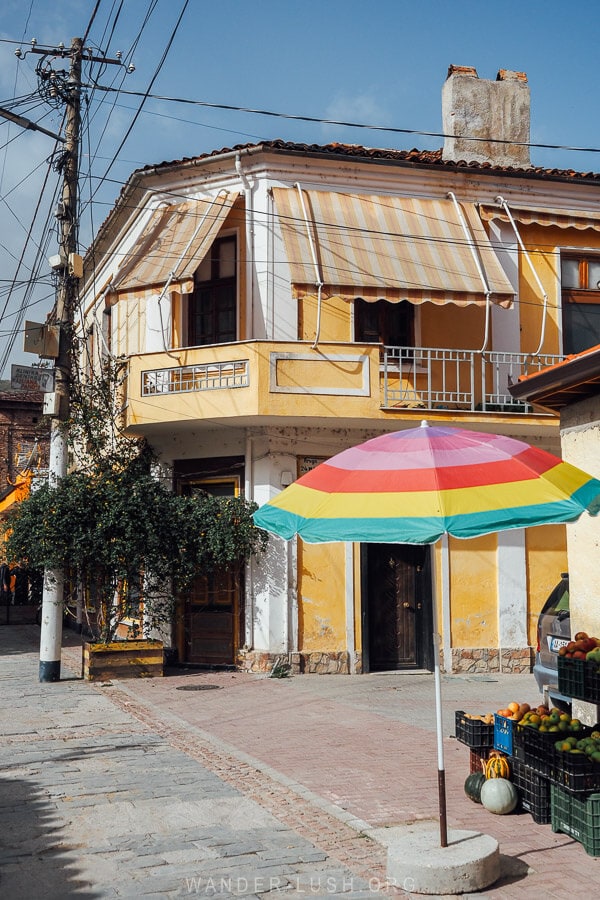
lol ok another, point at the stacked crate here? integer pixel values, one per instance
(575, 800)
(477, 736)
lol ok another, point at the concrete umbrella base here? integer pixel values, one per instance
(419, 865)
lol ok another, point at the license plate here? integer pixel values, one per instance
(555, 643)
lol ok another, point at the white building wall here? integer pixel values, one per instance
(275, 573)
(512, 590)
(580, 436)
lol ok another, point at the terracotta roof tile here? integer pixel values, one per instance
(420, 157)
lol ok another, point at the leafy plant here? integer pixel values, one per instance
(127, 542)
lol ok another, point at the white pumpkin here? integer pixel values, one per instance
(499, 796)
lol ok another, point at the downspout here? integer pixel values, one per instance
(318, 279)
(249, 213)
(249, 494)
(472, 247)
(502, 202)
(172, 273)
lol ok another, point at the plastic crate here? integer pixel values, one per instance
(534, 791)
(571, 677)
(575, 772)
(478, 758)
(538, 764)
(579, 818)
(591, 682)
(473, 732)
(503, 734)
(537, 748)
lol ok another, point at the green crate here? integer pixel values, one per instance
(579, 818)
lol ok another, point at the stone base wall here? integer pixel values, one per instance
(474, 660)
(300, 663)
(515, 660)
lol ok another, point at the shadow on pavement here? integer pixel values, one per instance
(33, 857)
(511, 871)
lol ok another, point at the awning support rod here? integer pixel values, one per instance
(502, 202)
(318, 279)
(473, 249)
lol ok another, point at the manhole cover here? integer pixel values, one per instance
(199, 687)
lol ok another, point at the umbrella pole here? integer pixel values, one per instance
(440, 737)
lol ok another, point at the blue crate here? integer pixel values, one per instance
(503, 734)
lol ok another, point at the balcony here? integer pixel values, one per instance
(434, 378)
(266, 382)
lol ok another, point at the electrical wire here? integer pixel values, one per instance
(146, 93)
(344, 124)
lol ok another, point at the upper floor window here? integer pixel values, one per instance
(383, 322)
(580, 279)
(213, 304)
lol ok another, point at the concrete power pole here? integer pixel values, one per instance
(53, 594)
(69, 267)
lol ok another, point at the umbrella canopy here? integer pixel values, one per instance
(413, 486)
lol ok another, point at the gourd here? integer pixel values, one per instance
(497, 766)
(473, 785)
(499, 796)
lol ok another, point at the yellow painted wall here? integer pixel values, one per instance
(546, 558)
(473, 592)
(543, 245)
(451, 326)
(336, 321)
(321, 610)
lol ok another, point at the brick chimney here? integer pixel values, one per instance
(474, 107)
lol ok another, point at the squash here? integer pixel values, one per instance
(499, 796)
(497, 766)
(473, 785)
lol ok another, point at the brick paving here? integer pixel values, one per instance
(283, 784)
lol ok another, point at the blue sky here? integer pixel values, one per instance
(381, 63)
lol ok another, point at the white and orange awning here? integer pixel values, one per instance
(580, 220)
(173, 244)
(389, 247)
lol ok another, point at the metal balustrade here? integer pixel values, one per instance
(436, 378)
(202, 377)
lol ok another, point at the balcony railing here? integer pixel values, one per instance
(203, 377)
(434, 378)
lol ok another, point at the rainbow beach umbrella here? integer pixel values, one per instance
(413, 486)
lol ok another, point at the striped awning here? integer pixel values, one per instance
(393, 248)
(559, 218)
(174, 243)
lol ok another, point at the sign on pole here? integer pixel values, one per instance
(29, 378)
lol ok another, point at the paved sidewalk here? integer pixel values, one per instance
(227, 784)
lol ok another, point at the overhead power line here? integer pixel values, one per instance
(319, 121)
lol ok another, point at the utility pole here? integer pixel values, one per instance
(53, 593)
(62, 87)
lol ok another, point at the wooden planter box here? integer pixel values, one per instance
(122, 659)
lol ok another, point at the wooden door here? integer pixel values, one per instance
(212, 611)
(211, 620)
(396, 607)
